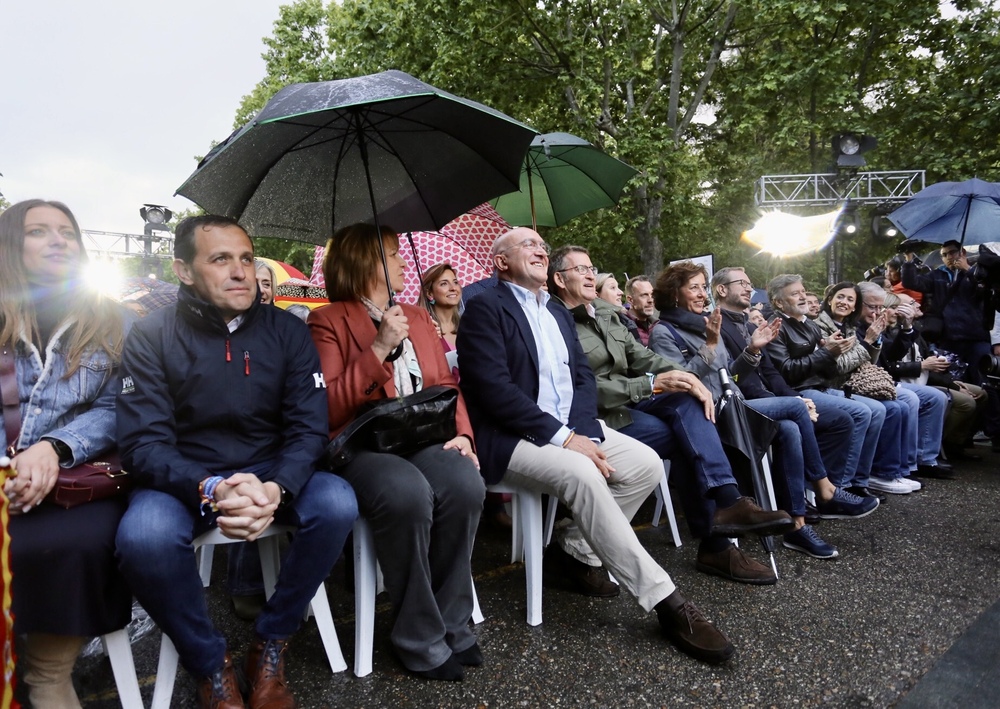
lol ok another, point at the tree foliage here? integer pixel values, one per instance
(703, 96)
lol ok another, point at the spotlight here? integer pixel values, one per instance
(848, 149)
(155, 214)
(882, 228)
(847, 222)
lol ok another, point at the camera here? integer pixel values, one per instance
(874, 272)
(989, 365)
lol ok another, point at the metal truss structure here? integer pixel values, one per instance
(831, 189)
(109, 244)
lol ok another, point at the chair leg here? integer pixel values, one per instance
(667, 502)
(531, 525)
(365, 564)
(320, 607)
(550, 518)
(477, 613)
(204, 554)
(166, 674)
(119, 651)
(517, 535)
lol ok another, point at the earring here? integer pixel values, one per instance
(431, 301)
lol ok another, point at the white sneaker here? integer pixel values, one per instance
(914, 484)
(894, 487)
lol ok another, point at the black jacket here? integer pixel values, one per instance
(198, 401)
(955, 298)
(763, 380)
(799, 358)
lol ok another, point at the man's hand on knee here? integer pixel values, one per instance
(582, 444)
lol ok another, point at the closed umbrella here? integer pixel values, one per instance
(967, 212)
(563, 176)
(747, 434)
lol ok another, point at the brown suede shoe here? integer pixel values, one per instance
(563, 571)
(220, 690)
(265, 671)
(745, 517)
(690, 632)
(734, 565)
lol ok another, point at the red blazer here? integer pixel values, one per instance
(344, 333)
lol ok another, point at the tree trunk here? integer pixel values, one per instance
(649, 211)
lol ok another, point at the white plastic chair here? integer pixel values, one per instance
(119, 651)
(267, 544)
(664, 502)
(526, 507)
(367, 584)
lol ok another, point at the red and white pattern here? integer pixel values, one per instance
(464, 242)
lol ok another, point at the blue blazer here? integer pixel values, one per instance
(498, 361)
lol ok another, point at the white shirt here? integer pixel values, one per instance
(555, 381)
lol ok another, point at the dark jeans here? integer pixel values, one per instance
(423, 511)
(674, 425)
(156, 556)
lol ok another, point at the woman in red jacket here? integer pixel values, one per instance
(423, 508)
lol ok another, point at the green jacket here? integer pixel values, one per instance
(619, 362)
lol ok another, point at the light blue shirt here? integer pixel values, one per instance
(555, 381)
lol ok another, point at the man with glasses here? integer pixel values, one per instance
(532, 399)
(927, 405)
(673, 421)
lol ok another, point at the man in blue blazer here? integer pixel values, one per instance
(532, 399)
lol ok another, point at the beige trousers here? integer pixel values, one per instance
(601, 532)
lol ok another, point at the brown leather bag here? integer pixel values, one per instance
(87, 482)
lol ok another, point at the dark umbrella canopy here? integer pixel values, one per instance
(319, 156)
(967, 212)
(563, 176)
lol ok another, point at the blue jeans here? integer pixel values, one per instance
(156, 556)
(796, 452)
(928, 407)
(674, 425)
(892, 450)
(868, 422)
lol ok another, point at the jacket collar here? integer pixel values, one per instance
(205, 316)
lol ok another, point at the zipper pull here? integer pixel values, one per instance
(229, 356)
(246, 363)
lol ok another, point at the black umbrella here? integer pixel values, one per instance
(386, 149)
(746, 434)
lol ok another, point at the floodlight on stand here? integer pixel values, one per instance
(155, 214)
(847, 222)
(848, 149)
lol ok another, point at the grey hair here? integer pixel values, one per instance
(635, 279)
(868, 288)
(778, 284)
(557, 262)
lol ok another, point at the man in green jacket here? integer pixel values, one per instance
(660, 403)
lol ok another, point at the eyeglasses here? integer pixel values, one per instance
(530, 244)
(742, 283)
(876, 308)
(582, 270)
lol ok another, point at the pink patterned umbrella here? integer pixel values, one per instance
(464, 242)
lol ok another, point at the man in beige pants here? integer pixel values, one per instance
(532, 399)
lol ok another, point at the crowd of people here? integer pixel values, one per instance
(222, 405)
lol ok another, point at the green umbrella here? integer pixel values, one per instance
(562, 177)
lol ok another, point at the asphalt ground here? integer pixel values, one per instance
(905, 617)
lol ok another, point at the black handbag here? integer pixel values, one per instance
(399, 426)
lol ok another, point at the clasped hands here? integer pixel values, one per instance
(246, 506)
(37, 469)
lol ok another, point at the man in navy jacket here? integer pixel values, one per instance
(532, 399)
(222, 420)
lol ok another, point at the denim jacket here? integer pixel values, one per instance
(79, 411)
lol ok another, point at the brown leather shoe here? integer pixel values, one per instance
(690, 631)
(745, 517)
(265, 671)
(734, 565)
(563, 571)
(220, 690)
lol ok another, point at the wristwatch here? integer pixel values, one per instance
(64, 452)
(286, 497)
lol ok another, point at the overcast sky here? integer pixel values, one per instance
(104, 104)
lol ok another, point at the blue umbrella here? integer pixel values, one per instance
(967, 212)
